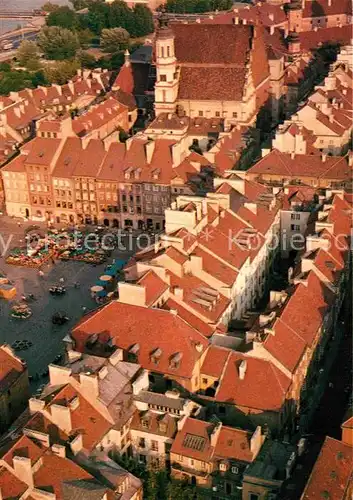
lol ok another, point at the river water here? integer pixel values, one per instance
(21, 5)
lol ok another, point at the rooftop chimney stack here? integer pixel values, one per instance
(23, 470)
(242, 369)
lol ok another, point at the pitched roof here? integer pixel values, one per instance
(332, 472)
(252, 391)
(194, 441)
(161, 330)
(154, 286)
(11, 487)
(11, 367)
(23, 447)
(54, 471)
(283, 164)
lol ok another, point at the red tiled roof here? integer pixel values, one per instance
(84, 418)
(322, 8)
(216, 268)
(182, 444)
(11, 487)
(42, 151)
(229, 442)
(217, 83)
(154, 287)
(252, 392)
(98, 116)
(282, 164)
(233, 443)
(125, 79)
(300, 320)
(23, 447)
(190, 318)
(10, 368)
(215, 361)
(313, 39)
(160, 329)
(54, 471)
(332, 472)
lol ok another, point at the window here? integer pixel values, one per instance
(295, 216)
(145, 424)
(168, 51)
(253, 496)
(205, 380)
(142, 442)
(154, 445)
(147, 187)
(235, 470)
(222, 410)
(142, 459)
(223, 467)
(200, 113)
(294, 227)
(218, 114)
(191, 462)
(235, 114)
(163, 78)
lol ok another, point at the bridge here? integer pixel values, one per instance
(21, 14)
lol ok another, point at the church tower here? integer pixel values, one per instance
(166, 87)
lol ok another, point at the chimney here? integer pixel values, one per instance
(127, 57)
(89, 383)
(329, 3)
(59, 450)
(271, 16)
(215, 433)
(256, 441)
(350, 158)
(292, 155)
(272, 30)
(149, 149)
(323, 157)
(76, 444)
(23, 470)
(236, 20)
(178, 292)
(36, 405)
(242, 369)
(61, 416)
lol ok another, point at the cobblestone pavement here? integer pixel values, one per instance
(46, 337)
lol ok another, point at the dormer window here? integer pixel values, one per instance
(175, 360)
(156, 355)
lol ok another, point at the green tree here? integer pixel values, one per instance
(83, 4)
(50, 7)
(58, 43)
(13, 81)
(63, 17)
(28, 55)
(143, 21)
(61, 71)
(86, 60)
(114, 39)
(85, 37)
(98, 18)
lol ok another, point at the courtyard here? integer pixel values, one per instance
(45, 337)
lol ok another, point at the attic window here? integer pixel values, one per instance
(175, 360)
(156, 355)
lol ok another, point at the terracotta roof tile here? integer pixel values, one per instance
(252, 392)
(11, 487)
(332, 472)
(24, 447)
(161, 329)
(154, 286)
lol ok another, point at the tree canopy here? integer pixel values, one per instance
(14, 81)
(28, 55)
(58, 43)
(49, 7)
(63, 17)
(137, 21)
(61, 71)
(114, 39)
(197, 6)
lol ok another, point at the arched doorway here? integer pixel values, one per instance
(71, 219)
(128, 223)
(149, 223)
(106, 222)
(193, 480)
(141, 225)
(115, 223)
